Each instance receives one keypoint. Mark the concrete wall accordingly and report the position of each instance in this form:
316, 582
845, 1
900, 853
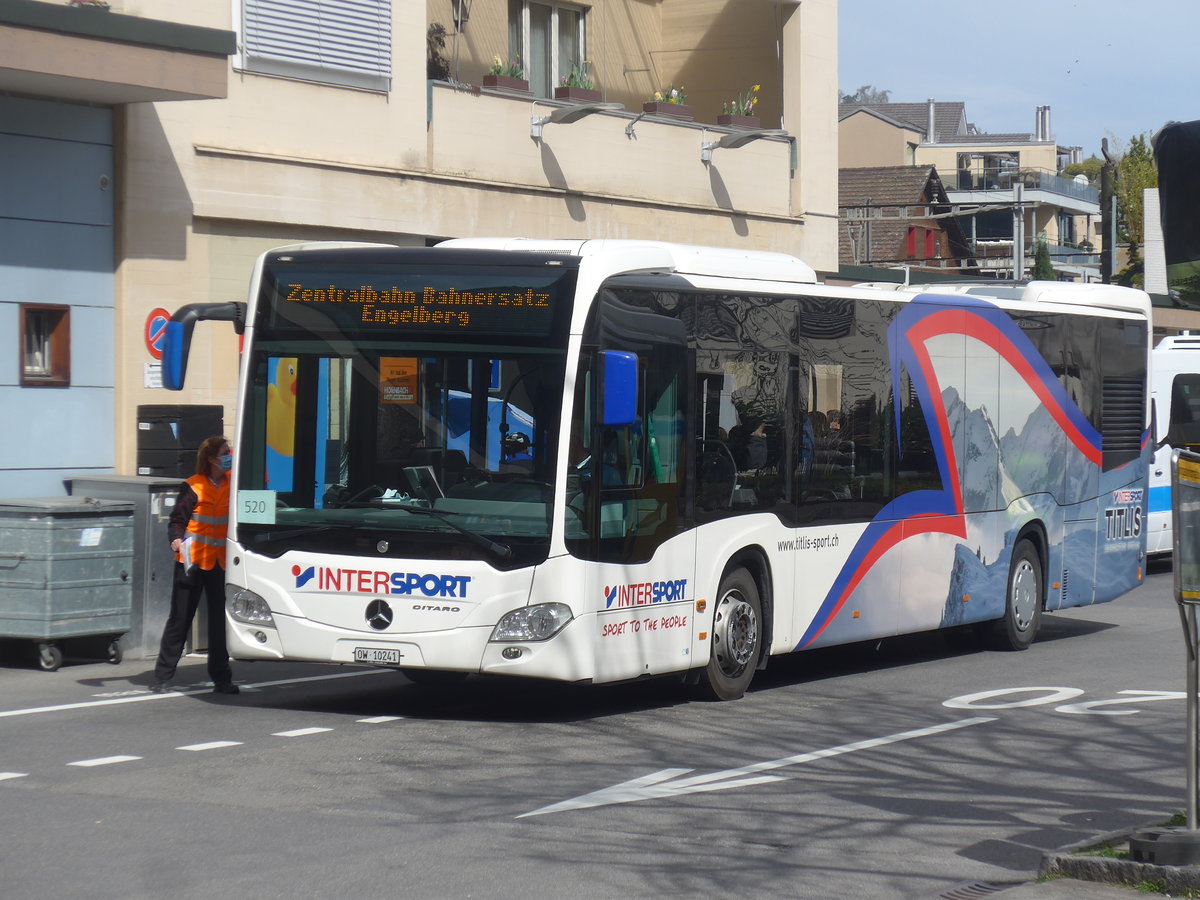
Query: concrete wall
865, 140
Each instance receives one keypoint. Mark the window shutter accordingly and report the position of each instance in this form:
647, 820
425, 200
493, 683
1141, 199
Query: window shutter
337, 41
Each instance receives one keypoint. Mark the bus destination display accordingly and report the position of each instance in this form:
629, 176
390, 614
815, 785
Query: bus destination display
515, 306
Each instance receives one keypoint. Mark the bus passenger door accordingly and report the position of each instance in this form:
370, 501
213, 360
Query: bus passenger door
630, 432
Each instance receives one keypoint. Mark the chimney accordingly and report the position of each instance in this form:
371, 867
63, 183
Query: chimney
1041, 124
931, 134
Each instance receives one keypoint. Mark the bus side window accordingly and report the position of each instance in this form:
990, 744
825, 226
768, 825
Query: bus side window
1184, 430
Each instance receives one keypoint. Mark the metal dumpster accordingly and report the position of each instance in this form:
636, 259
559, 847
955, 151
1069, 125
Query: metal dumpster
153, 500
65, 565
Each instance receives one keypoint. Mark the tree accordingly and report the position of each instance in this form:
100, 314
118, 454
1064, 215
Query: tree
1090, 168
866, 94
1136, 171
436, 66
1043, 270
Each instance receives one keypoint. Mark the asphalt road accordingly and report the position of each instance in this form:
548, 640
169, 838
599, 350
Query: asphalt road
902, 769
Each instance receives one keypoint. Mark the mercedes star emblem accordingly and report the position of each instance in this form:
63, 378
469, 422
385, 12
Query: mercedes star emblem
379, 615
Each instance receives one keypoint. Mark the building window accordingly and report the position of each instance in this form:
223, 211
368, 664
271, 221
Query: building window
347, 42
550, 39
45, 345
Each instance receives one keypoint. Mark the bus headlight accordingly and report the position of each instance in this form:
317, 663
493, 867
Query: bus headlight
532, 623
246, 606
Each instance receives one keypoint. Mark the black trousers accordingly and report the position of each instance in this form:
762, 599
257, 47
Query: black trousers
185, 597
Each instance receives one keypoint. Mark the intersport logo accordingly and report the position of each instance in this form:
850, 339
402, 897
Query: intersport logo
374, 581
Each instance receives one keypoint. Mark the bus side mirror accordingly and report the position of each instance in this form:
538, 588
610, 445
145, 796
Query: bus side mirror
177, 341
618, 405
177, 337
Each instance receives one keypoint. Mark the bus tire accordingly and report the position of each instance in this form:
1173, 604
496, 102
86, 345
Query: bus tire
737, 634
1023, 600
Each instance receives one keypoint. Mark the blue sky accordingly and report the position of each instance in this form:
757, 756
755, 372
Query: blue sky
1106, 69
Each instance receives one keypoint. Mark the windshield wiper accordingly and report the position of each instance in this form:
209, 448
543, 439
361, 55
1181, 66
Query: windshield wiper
300, 532
501, 550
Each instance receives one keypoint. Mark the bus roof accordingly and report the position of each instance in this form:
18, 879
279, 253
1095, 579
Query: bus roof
1098, 296
683, 259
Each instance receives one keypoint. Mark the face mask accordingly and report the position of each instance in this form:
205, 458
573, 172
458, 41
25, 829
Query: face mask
225, 461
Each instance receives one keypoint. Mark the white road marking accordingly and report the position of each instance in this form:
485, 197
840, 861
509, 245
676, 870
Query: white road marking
114, 701
379, 720
4, 776
300, 732
658, 784
104, 761
211, 745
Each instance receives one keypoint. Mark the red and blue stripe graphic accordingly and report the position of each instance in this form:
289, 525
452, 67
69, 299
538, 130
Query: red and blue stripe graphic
941, 511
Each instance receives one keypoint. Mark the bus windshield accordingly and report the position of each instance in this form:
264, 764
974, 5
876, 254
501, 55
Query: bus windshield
398, 440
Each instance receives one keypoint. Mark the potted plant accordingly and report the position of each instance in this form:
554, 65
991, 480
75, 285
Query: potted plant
671, 101
740, 110
508, 76
579, 84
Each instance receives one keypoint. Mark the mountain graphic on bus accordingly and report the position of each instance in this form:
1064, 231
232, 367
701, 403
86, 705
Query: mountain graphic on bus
1025, 452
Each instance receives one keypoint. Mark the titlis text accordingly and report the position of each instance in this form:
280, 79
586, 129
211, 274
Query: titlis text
1123, 522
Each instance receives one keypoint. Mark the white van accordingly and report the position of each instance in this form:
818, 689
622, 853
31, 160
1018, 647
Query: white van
1175, 388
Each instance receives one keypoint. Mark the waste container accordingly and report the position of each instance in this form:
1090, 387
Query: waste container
65, 565
153, 500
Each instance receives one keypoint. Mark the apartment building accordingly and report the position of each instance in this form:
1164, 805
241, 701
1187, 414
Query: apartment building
1006, 186
172, 142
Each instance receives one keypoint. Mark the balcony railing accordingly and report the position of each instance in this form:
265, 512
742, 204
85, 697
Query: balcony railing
995, 179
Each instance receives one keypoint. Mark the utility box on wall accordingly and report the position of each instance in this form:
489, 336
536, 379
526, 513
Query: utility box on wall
168, 437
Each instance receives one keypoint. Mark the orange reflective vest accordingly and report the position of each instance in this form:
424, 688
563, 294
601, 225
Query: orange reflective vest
208, 523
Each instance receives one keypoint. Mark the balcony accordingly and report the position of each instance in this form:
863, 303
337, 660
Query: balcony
1041, 186
553, 178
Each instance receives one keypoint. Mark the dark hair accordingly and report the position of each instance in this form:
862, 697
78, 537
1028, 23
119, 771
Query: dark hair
208, 451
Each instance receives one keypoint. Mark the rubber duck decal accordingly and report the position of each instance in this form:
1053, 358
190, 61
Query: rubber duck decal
281, 422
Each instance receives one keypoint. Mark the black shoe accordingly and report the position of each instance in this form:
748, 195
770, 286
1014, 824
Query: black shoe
226, 687
160, 687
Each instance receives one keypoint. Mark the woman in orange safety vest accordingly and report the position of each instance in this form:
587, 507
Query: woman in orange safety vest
197, 533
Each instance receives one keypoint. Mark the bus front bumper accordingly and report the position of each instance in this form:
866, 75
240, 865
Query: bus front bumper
565, 657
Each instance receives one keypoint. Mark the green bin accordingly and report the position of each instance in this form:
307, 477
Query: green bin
65, 565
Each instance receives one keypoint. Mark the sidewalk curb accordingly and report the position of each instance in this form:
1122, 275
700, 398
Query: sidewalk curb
1073, 861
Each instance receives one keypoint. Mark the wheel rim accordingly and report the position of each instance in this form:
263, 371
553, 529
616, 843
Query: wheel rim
735, 633
1024, 594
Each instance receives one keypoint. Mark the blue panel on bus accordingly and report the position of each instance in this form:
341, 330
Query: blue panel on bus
1160, 498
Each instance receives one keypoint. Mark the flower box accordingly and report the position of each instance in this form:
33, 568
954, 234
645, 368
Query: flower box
578, 94
506, 83
739, 121
675, 110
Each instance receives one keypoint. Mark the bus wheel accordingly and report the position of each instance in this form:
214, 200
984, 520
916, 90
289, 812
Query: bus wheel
736, 638
1023, 606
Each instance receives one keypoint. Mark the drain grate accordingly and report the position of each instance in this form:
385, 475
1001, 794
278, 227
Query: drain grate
969, 890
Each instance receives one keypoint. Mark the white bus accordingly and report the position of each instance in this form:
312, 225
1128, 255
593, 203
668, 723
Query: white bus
1175, 390
720, 460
